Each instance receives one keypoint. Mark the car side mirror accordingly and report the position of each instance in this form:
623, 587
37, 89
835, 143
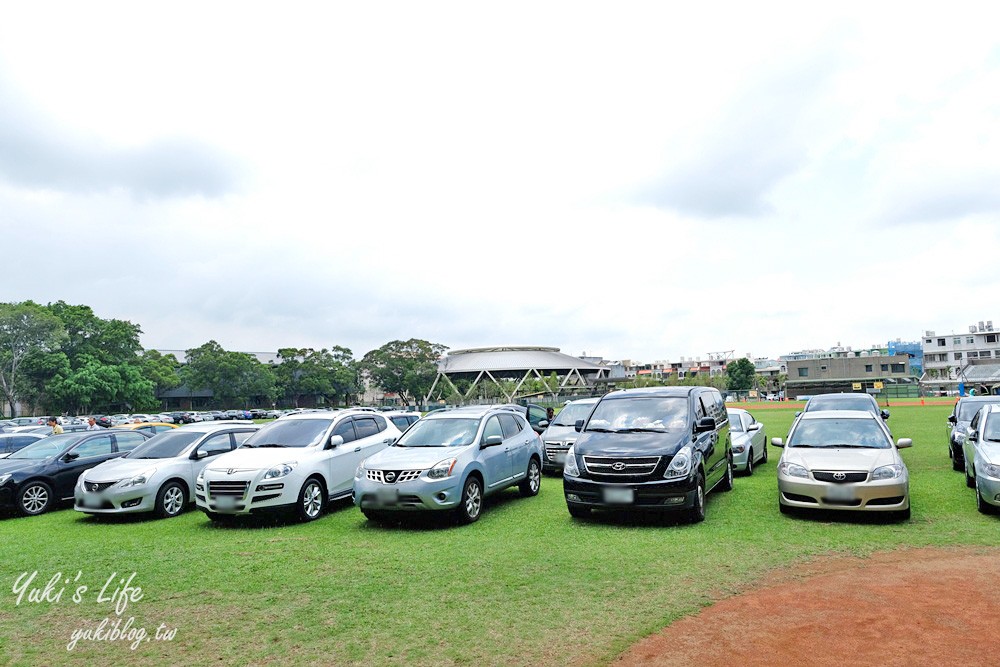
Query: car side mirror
798, 413
885, 414
704, 424
776, 442
904, 442
544, 423
492, 441
71, 456
755, 427
952, 419
335, 441
973, 434
200, 454
578, 426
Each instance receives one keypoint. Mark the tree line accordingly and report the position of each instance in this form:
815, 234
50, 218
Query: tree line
62, 358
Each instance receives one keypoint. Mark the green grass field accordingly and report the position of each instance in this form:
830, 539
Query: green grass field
524, 585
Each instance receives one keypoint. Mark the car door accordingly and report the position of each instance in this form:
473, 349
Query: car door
536, 415
517, 440
373, 436
495, 459
752, 428
80, 458
971, 441
339, 471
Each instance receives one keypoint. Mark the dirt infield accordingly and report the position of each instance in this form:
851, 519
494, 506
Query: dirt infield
905, 607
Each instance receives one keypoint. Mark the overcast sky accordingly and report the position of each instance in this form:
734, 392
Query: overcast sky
643, 181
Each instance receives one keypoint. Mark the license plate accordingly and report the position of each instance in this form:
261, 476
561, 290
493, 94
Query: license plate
93, 502
387, 496
619, 496
225, 503
840, 493
559, 457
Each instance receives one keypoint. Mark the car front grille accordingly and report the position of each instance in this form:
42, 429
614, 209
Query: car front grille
97, 487
554, 448
234, 488
392, 476
847, 477
621, 466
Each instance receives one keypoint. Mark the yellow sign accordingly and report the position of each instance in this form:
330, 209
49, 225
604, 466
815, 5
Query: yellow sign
877, 385
856, 386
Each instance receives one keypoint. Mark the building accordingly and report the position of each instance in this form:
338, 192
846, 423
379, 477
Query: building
841, 369
958, 361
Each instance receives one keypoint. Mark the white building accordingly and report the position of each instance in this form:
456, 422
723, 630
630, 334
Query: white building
948, 357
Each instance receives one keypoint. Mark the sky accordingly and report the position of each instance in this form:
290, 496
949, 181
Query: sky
638, 181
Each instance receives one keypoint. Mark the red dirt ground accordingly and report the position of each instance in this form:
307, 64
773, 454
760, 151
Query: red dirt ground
905, 607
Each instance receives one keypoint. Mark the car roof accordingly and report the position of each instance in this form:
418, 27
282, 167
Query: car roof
837, 414
737, 410
329, 414
979, 399
467, 411
652, 391
208, 427
842, 395
582, 401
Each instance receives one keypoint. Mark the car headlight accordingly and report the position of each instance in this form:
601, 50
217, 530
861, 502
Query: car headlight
958, 437
442, 469
201, 476
680, 465
280, 470
360, 471
141, 478
989, 470
792, 470
4, 478
888, 472
570, 469
738, 449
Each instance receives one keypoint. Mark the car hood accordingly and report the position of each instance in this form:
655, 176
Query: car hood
560, 433
989, 451
252, 458
637, 444
411, 458
22, 465
840, 458
116, 469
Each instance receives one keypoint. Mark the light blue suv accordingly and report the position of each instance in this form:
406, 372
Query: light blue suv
450, 460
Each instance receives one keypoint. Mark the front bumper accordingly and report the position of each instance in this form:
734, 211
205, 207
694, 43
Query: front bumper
889, 495
413, 495
740, 459
652, 496
989, 488
554, 455
246, 493
116, 500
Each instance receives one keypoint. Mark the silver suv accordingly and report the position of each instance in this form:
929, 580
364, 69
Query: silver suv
450, 460
560, 434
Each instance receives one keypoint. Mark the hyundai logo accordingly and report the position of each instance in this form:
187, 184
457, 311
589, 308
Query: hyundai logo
840, 476
390, 476
618, 466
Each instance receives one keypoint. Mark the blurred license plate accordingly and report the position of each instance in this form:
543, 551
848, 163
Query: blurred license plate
621, 496
840, 493
559, 457
387, 496
91, 501
225, 503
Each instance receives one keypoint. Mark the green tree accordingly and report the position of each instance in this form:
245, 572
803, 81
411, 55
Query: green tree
24, 328
332, 374
160, 369
740, 374
234, 378
90, 337
407, 368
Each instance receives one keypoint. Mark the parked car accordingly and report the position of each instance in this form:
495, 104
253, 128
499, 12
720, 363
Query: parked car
560, 434
300, 462
152, 428
12, 442
656, 449
845, 401
402, 420
981, 457
37, 477
158, 475
449, 461
843, 460
958, 425
535, 414
749, 440
25, 421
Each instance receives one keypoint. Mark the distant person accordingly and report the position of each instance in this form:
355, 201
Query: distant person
56, 428
550, 414
92, 424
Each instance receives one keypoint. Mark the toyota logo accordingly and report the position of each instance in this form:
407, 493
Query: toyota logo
390, 476
618, 466
840, 476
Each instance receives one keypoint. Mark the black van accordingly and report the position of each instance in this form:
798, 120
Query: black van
657, 449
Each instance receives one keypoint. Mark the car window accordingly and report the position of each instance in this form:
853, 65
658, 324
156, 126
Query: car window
511, 425
834, 433
98, 446
535, 415
975, 421
492, 428
365, 427
400, 422
380, 423
241, 436
991, 431
218, 443
734, 422
345, 430
129, 441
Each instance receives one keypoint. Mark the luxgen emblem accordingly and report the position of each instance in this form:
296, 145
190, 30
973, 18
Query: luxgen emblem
390, 476
618, 466
231, 471
840, 476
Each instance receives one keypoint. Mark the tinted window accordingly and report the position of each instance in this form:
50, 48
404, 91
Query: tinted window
290, 433
165, 445
992, 431
492, 428
400, 422
345, 430
380, 423
535, 415
511, 425
98, 446
967, 409
569, 415
734, 422
216, 444
365, 427
859, 402
838, 432
129, 441
440, 433
652, 413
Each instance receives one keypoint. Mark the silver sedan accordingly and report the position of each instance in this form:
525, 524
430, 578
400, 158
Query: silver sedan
749, 440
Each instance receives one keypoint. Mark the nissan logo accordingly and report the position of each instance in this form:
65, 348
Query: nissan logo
840, 476
618, 465
390, 476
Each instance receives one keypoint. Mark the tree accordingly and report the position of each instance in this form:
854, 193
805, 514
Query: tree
109, 341
160, 369
407, 368
332, 374
24, 328
740, 374
233, 377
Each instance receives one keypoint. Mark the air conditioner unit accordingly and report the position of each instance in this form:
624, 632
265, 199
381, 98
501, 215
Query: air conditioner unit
972, 328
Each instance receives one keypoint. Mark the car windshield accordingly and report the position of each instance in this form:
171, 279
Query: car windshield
652, 413
440, 433
860, 402
46, 447
991, 431
165, 445
290, 433
833, 433
573, 412
735, 425
968, 409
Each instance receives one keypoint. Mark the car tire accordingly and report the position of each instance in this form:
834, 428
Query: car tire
170, 500
983, 506
34, 498
749, 470
785, 509
957, 463
312, 500
697, 513
903, 515
970, 481
578, 512
763, 459
471, 505
533, 481
727, 480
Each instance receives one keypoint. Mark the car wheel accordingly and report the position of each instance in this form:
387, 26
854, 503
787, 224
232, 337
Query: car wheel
749, 470
983, 506
763, 459
35, 498
578, 512
697, 513
903, 515
312, 500
957, 462
970, 481
533, 482
374, 515
171, 500
785, 509
727, 481
471, 504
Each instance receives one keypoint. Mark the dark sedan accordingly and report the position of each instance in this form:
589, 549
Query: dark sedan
34, 479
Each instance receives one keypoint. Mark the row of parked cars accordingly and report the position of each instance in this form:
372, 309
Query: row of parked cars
974, 447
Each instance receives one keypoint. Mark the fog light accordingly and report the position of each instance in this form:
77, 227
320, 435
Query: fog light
270, 487
131, 503
573, 497
996, 497
442, 496
673, 500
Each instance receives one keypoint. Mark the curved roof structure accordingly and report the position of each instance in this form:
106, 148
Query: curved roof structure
512, 358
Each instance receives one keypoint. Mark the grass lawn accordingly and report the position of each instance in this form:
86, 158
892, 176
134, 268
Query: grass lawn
524, 585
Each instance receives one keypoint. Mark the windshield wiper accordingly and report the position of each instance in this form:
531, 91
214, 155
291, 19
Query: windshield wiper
270, 444
641, 430
598, 429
